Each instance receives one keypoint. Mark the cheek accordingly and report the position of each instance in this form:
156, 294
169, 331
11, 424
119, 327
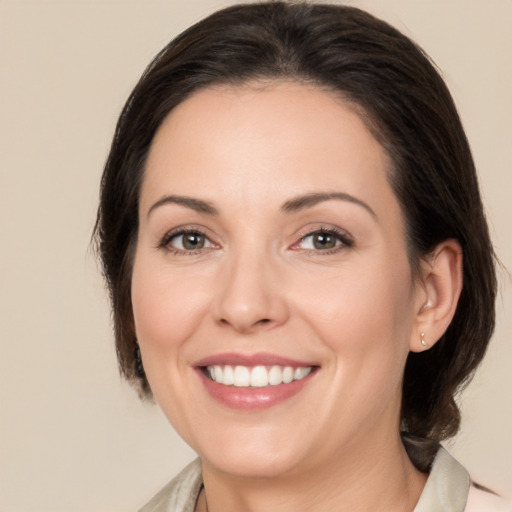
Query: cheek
365, 319
359, 302
165, 309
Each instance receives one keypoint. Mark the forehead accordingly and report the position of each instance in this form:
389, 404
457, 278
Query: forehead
287, 135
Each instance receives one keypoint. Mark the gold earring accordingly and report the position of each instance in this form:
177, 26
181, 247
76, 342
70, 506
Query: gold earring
423, 340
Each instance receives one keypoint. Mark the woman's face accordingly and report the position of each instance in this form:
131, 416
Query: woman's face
271, 255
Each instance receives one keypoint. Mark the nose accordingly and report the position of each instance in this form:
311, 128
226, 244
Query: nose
251, 298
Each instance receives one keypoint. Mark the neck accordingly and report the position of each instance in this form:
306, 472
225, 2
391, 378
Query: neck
376, 477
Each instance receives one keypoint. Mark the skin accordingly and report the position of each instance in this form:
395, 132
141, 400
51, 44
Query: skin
260, 285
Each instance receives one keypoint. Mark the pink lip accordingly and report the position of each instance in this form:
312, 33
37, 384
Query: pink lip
260, 359
245, 398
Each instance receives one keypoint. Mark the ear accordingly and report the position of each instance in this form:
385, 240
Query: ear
438, 292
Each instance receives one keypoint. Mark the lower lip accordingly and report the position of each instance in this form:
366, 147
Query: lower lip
247, 398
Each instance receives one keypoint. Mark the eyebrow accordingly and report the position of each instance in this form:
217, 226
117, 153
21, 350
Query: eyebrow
309, 200
197, 205
293, 205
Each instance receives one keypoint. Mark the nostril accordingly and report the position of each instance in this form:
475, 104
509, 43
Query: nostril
246, 327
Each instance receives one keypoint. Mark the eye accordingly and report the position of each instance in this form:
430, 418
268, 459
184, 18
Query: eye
324, 240
186, 241
320, 240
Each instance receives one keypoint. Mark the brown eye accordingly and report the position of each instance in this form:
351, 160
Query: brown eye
187, 241
324, 241
193, 241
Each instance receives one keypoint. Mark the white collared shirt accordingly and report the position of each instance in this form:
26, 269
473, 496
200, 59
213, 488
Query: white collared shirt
448, 489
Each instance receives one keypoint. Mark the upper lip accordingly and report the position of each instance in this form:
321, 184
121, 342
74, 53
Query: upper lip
259, 359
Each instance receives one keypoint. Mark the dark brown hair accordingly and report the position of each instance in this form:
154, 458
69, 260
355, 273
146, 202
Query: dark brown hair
408, 108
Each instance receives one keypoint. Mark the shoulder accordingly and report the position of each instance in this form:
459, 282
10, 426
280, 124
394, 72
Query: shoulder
449, 486
180, 494
480, 500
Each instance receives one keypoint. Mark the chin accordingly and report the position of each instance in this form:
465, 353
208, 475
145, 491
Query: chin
252, 455
250, 465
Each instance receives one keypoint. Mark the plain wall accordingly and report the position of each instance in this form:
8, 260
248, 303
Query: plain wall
73, 437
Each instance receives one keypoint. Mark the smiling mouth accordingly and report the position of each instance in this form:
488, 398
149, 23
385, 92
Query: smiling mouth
255, 376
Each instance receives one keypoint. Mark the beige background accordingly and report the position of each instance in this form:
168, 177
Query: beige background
73, 437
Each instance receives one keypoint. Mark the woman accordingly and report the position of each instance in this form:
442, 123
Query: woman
299, 264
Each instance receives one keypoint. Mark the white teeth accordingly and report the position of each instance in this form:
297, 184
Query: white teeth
275, 376
217, 370
228, 377
259, 377
288, 374
242, 376
300, 373
256, 376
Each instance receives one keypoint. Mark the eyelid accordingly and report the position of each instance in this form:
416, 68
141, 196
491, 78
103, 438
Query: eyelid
342, 235
165, 240
346, 239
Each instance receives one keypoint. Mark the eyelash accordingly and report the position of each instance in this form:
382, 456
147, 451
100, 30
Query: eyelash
341, 236
171, 235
